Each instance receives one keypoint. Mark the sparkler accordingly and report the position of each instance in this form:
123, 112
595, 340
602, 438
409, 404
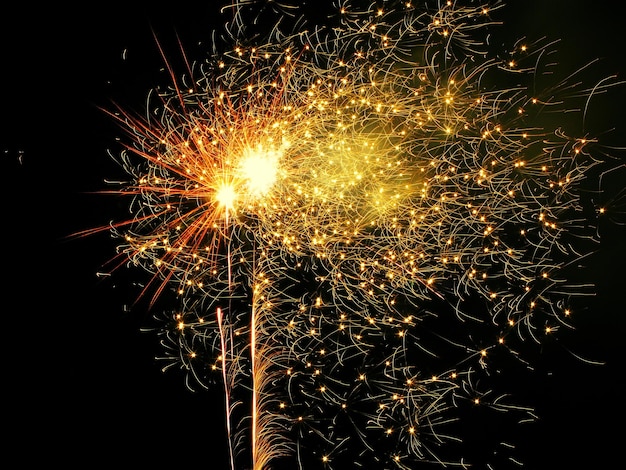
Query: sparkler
338, 205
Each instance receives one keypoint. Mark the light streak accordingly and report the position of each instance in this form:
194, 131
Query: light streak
226, 381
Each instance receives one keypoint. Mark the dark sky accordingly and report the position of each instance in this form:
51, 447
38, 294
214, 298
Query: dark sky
82, 381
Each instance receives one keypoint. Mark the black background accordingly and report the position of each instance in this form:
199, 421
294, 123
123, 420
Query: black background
80, 381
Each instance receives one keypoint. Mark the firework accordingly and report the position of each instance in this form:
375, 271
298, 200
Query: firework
363, 220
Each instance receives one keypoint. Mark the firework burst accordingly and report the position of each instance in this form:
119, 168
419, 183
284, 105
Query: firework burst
363, 220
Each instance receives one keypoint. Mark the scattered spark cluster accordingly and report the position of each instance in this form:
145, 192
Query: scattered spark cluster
363, 221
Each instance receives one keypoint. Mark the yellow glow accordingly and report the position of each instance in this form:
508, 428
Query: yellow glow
259, 169
226, 196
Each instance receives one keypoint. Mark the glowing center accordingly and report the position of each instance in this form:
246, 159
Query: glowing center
259, 167
226, 196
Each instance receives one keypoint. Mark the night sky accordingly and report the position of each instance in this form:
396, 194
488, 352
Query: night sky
81, 382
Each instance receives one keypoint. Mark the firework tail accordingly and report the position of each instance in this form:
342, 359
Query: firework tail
267, 435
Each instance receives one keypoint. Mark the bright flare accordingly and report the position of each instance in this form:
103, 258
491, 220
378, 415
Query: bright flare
259, 169
226, 196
